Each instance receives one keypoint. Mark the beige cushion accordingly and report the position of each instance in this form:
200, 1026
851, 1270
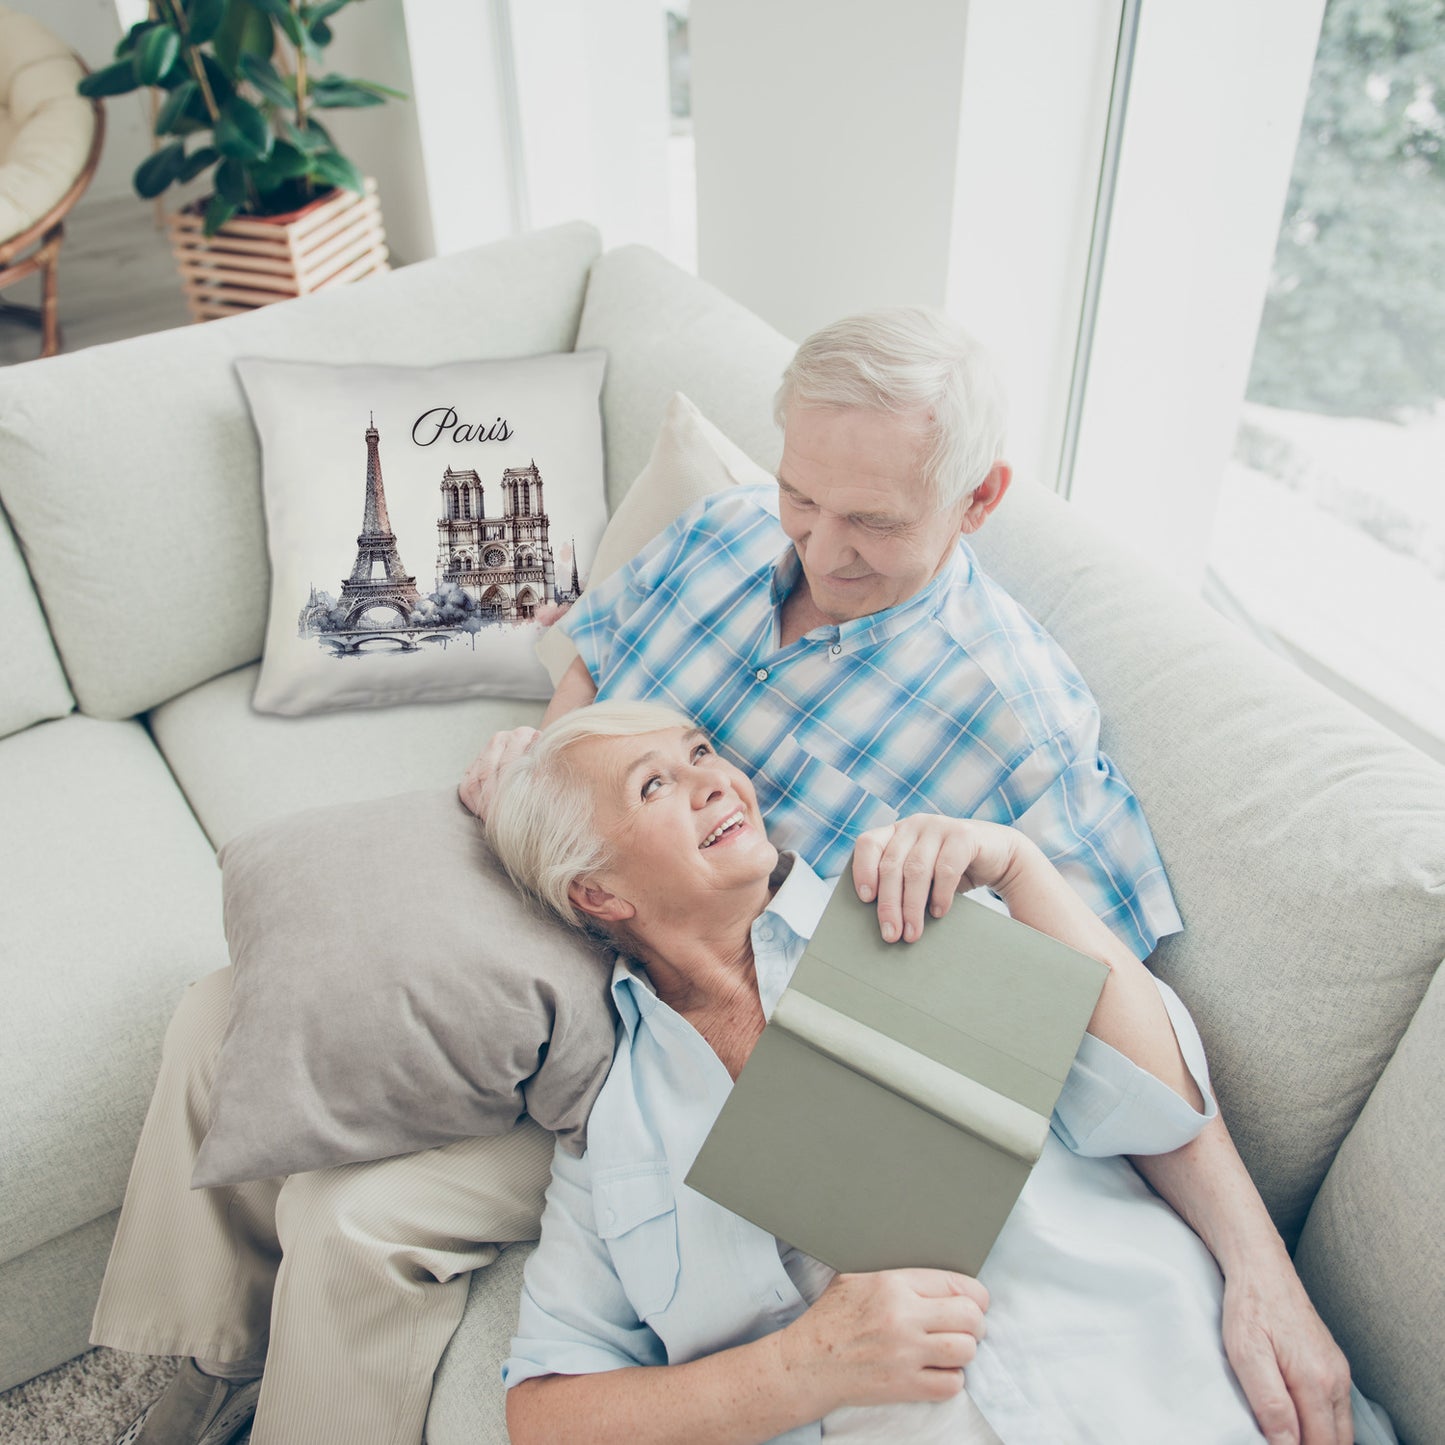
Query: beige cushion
47, 130
1302, 841
664, 331
240, 768
110, 906
393, 993
691, 459
32, 684
163, 465
1373, 1250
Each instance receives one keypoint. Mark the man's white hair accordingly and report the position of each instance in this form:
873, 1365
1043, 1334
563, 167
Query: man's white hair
908, 360
542, 820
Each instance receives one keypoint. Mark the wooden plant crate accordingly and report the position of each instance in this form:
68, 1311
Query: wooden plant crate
255, 260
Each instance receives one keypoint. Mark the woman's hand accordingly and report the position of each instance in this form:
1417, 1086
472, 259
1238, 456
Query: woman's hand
918, 864
475, 788
899, 1334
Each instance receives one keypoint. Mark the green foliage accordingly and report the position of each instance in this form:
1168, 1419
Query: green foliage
241, 76
1354, 324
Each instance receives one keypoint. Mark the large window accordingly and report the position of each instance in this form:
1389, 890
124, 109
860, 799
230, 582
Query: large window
1330, 529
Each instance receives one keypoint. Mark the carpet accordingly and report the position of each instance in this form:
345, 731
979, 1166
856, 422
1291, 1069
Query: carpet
88, 1401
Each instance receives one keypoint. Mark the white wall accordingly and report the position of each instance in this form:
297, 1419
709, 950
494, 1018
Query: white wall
827, 146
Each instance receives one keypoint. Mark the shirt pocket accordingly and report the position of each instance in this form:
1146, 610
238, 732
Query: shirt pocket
636, 1212
816, 809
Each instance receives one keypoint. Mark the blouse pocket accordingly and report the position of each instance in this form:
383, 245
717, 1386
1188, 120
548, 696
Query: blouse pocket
637, 1217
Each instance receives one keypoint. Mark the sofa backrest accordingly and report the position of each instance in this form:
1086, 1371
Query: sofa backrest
32, 683
132, 472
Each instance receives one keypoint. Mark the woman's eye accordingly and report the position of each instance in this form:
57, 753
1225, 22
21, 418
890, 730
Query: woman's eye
651, 785
702, 750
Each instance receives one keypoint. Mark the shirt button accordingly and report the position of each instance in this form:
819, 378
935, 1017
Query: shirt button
836, 648
761, 674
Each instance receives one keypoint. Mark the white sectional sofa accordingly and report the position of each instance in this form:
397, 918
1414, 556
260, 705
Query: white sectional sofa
1306, 846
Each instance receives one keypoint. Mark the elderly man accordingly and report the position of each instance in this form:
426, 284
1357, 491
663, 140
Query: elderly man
840, 643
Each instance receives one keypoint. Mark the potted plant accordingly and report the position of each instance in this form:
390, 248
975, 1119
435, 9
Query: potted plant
240, 84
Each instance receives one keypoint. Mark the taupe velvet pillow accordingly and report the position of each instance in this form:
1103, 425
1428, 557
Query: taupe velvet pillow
393, 992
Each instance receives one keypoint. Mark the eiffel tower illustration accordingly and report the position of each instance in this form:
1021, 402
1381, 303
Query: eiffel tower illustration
378, 579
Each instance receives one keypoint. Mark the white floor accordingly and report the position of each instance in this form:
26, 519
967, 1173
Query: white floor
116, 279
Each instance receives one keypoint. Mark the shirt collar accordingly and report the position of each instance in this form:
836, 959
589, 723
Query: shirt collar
779, 933
878, 627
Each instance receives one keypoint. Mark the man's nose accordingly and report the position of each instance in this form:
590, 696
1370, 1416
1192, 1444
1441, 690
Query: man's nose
829, 548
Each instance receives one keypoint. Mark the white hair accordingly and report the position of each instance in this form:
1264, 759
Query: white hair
542, 820
908, 360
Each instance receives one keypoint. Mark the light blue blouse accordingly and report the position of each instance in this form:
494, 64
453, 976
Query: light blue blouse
1105, 1316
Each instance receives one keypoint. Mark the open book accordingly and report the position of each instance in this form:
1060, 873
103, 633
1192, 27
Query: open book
900, 1094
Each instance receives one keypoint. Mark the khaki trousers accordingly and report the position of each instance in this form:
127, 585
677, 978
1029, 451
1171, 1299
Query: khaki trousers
350, 1281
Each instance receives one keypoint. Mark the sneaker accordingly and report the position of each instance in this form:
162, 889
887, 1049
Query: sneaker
195, 1409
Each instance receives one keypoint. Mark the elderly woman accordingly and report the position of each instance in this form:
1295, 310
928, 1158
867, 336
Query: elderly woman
653, 1314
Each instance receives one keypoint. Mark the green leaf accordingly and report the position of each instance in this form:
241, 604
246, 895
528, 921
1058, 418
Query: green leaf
244, 31
287, 163
285, 17
378, 89
131, 38
218, 212
197, 161
333, 92
278, 89
231, 182
117, 79
203, 19
222, 85
173, 111
320, 35
312, 140
242, 132
324, 11
157, 52
157, 171
333, 168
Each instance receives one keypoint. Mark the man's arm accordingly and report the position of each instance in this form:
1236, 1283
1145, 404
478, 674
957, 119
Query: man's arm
1295, 1377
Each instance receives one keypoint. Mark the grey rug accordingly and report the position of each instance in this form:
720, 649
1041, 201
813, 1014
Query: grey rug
86, 1402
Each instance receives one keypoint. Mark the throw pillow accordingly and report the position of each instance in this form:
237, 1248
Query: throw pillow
417, 518
391, 993
691, 459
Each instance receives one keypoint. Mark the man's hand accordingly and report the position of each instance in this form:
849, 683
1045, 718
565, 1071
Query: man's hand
1295, 1377
475, 788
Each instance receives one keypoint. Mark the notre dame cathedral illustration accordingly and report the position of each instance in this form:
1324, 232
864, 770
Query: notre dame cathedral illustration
505, 562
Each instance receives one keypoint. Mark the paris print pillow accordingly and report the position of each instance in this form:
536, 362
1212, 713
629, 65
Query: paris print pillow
423, 523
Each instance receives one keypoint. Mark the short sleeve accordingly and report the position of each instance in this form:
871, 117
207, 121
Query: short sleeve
575, 1318
1109, 1105
1076, 805
596, 621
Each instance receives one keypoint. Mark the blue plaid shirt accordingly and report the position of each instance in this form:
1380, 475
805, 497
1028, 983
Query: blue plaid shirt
954, 702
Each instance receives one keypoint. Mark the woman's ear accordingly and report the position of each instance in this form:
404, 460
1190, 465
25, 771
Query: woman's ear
596, 902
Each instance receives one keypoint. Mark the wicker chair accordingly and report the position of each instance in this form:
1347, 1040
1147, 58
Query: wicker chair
50, 140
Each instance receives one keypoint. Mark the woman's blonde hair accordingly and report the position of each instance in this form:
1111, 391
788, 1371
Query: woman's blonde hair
542, 820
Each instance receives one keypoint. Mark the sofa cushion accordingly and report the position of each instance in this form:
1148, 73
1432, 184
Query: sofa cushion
664, 331
392, 993
32, 684
469, 482
1372, 1254
111, 905
1302, 841
239, 768
165, 585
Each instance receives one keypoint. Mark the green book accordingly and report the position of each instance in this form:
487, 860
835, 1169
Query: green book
900, 1094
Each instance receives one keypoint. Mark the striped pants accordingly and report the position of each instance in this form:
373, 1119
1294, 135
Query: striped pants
348, 1281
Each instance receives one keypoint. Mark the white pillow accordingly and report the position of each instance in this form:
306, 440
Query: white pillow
691, 459
422, 590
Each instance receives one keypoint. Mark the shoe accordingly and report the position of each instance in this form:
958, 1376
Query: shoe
194, 1409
